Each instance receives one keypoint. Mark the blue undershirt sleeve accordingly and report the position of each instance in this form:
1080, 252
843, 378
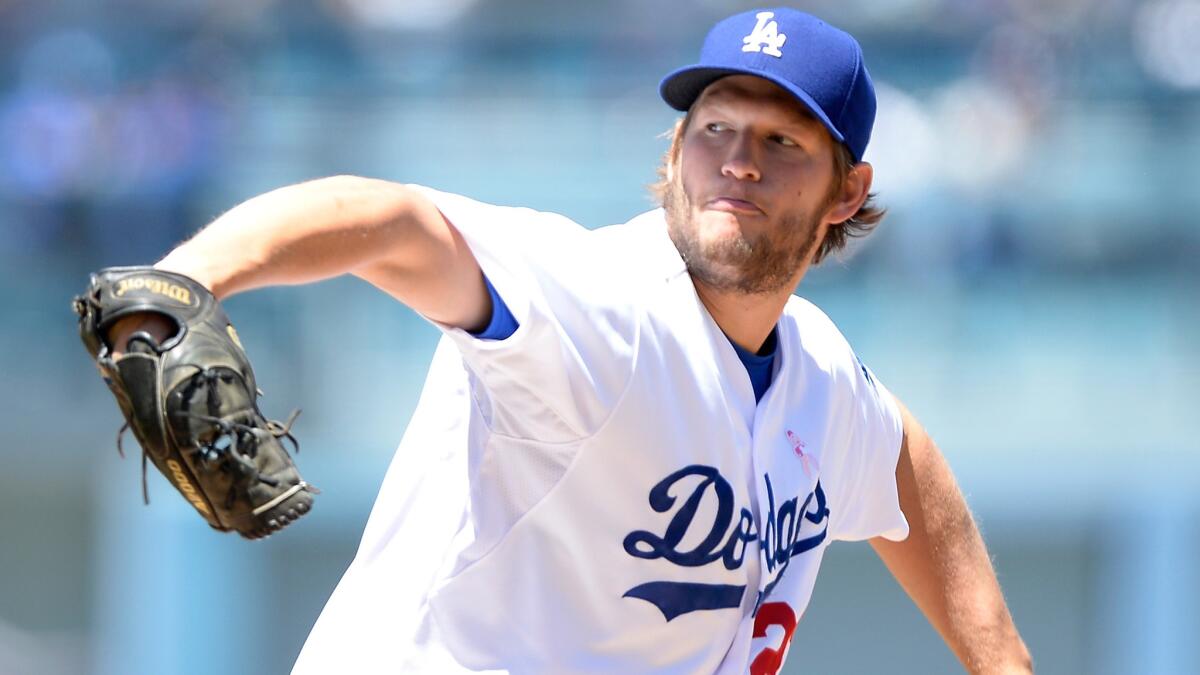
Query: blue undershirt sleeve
502, 324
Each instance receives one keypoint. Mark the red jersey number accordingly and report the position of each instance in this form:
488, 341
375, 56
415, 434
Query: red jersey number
769, 661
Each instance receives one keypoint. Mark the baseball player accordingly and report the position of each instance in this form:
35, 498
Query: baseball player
635, 443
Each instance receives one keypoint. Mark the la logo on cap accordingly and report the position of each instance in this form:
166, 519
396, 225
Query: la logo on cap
765, 37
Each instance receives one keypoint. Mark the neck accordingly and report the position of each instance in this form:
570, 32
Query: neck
746, 319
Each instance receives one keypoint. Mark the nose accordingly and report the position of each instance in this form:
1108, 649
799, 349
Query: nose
740, 162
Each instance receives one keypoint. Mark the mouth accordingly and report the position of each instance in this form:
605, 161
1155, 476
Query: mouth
734, 205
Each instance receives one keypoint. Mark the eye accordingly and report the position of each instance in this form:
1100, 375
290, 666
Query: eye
784, 141
716, 127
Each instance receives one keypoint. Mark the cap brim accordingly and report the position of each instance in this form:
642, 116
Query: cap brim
682, 87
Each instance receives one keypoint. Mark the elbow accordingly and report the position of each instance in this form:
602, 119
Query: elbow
344, 180
372, 202
360, 188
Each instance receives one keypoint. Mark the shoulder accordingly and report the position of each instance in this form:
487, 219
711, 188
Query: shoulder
472, 214
539, 230
813, 331
823, 348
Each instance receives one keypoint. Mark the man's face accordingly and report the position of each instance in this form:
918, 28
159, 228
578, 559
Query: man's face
747, 199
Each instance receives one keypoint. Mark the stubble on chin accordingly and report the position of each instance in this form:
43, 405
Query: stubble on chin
738, 264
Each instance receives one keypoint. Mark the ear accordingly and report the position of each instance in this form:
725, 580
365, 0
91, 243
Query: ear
849, 199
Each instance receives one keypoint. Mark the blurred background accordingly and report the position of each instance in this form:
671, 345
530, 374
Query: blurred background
1032, 295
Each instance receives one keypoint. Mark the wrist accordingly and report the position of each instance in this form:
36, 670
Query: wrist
180, 262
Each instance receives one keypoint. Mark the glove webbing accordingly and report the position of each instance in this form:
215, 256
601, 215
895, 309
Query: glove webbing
212, 453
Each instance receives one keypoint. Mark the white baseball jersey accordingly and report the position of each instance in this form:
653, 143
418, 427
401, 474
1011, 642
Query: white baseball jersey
600, 492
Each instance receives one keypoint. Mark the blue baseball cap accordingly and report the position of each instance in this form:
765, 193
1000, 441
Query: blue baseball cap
820, 65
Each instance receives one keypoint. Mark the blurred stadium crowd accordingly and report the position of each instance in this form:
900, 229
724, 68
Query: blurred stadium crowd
1055, 134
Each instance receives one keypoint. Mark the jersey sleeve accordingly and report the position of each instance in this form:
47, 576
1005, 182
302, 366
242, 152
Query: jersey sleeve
559, 374
872, 504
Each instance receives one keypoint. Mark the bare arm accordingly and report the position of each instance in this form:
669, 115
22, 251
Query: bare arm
385, 233
943, 565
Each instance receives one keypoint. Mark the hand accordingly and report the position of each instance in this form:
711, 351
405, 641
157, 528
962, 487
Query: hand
156, 325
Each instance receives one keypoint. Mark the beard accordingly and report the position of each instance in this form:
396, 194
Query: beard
742, 264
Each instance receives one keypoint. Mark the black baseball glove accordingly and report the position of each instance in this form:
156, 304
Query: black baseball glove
192, 401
